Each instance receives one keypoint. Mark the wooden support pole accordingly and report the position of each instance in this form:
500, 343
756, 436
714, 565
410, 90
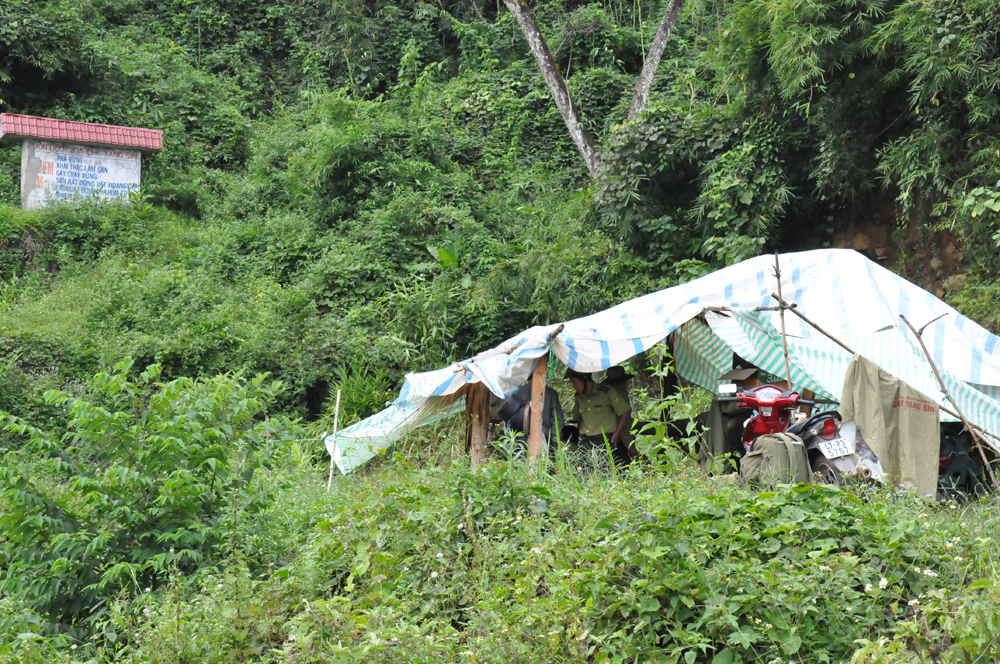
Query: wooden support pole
537, 406
477, 410
947, 394
535, 433
336, 415
784, 341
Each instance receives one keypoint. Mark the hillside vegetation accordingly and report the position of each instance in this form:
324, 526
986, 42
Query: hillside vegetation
367, 188
350, 190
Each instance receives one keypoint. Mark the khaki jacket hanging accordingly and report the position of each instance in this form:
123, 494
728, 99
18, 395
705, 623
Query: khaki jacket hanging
899, 424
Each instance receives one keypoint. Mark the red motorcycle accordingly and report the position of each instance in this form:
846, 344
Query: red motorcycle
835, 452
774, 407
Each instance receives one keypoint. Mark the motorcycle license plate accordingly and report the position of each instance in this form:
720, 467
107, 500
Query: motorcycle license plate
835, 448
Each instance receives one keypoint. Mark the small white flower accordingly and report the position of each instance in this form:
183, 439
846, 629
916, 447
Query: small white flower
440, 555
914, 602
73, 647
767, 625
883, 582
536, 550
434, 575
868, 587
149, 590
171, 549
145, 611
219, 586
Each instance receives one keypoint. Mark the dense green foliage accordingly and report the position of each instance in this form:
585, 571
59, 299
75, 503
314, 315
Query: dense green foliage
352, 189
429, 564
153, 477
380, 186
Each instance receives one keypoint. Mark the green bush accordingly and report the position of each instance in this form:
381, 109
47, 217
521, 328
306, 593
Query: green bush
410, 564
149, 477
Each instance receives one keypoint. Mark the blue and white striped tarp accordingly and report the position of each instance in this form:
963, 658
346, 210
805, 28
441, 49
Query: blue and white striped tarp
849, 296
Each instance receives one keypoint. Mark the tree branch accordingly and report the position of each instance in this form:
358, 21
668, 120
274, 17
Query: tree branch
653, 58
557, 86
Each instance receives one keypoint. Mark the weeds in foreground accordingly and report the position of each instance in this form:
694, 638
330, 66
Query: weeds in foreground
416, 564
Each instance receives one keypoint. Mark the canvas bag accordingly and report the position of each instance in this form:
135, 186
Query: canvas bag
776, 458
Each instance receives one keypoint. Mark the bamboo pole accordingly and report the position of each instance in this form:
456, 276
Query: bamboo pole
792, 307
784, 341
336, 415
975, 434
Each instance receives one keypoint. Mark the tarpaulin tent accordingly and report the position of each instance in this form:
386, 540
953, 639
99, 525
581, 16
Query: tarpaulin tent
849, 296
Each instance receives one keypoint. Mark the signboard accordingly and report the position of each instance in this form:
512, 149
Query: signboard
66, 172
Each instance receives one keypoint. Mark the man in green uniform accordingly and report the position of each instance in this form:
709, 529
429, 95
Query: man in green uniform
601, 413
616, 382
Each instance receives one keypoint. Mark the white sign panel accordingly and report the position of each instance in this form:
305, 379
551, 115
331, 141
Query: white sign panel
67, 172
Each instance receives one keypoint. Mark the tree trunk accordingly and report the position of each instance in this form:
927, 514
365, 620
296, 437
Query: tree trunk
557, 86
653, 58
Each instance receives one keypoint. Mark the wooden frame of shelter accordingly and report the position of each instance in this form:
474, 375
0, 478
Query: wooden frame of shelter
477, 412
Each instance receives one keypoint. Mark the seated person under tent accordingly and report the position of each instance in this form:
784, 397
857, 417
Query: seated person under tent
516, 416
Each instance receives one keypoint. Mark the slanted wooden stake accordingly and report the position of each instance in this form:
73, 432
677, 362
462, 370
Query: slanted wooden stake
477, 410
537, 405
947, 394
784, 341
336, 414
791, 307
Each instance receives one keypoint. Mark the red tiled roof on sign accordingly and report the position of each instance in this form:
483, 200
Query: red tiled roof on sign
29, 126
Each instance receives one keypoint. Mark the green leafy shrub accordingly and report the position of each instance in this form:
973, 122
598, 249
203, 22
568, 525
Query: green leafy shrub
150, 476
409, 564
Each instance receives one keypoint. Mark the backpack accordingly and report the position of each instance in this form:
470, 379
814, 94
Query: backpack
776, 458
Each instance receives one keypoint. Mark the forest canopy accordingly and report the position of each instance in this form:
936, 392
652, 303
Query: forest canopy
367, 188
